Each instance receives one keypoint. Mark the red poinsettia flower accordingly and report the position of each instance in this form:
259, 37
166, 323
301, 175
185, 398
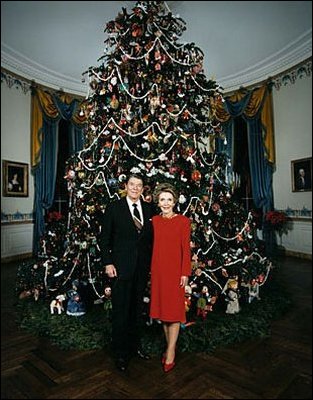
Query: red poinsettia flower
276, 217
277, 220
54, 216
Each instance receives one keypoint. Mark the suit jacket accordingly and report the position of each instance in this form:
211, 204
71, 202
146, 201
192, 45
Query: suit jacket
301, 183
121, 244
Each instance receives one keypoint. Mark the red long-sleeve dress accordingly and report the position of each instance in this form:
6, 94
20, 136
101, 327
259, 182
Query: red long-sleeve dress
170, 260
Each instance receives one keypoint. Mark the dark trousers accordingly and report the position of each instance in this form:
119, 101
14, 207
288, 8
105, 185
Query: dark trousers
127, 307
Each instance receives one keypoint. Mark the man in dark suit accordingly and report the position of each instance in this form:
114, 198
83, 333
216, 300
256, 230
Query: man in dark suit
126, 247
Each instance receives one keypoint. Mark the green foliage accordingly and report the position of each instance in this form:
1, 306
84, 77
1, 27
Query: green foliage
93, 330
89, 331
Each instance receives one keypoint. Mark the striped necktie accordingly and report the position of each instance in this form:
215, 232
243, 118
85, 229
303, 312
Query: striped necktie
137, 219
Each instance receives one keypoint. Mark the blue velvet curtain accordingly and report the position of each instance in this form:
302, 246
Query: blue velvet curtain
261, 169
45, 171
66, 111
45, 175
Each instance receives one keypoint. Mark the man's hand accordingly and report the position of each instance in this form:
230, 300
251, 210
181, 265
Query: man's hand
110, 270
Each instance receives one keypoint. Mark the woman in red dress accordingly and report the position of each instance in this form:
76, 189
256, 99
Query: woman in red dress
170, 268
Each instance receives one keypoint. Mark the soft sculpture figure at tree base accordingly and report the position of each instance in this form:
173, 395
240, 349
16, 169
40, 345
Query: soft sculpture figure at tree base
57, 304
232, 297
75, 306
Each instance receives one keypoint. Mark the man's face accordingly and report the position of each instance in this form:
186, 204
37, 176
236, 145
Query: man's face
134, 188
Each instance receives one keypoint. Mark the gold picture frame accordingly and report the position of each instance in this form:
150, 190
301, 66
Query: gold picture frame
301, 175
15, 179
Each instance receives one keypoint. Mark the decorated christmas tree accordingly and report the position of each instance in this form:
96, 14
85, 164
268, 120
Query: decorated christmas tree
151, 110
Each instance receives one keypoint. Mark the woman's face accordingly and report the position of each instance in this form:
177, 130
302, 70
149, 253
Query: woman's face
166, 203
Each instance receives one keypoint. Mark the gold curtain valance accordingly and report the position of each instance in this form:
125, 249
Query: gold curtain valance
260, 100
43, 104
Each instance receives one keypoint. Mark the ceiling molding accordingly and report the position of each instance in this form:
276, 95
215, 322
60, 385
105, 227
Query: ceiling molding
287, 77
291, 55
14, 81
25, 67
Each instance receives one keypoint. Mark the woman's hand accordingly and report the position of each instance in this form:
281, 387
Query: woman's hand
183, 281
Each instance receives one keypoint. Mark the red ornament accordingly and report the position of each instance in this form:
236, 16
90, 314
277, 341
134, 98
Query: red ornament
196, 175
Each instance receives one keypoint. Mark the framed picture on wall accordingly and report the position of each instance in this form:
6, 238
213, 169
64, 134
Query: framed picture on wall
15, 179
301, 175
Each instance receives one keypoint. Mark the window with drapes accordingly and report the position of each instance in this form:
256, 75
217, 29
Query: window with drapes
60, 201
242, 193
48, 109
241, 166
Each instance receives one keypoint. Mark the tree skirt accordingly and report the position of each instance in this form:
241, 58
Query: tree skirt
93, 329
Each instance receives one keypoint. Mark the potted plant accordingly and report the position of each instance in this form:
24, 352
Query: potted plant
278, 222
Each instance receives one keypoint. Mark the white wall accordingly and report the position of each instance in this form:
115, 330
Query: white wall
15, 141
293, 140
16, 238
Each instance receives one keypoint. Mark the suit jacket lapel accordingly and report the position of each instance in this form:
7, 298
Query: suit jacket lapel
144, 213
128, 215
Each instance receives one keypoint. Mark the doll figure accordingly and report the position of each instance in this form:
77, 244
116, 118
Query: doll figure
198, 280
204, 304
254, 289
107, 300
75, 305
232, 297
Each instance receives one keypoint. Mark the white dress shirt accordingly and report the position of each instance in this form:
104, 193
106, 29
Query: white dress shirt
131, 208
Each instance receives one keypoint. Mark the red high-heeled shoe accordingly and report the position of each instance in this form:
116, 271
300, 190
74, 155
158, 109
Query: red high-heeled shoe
168, 367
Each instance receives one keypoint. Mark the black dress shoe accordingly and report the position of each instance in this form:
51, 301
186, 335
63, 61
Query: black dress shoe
144, 356
121, 364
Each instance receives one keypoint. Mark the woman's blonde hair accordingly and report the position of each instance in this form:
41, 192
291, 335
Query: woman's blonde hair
164, 187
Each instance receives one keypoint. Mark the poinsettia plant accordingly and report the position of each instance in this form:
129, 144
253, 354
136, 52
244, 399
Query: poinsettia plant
54, 216
278, 221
